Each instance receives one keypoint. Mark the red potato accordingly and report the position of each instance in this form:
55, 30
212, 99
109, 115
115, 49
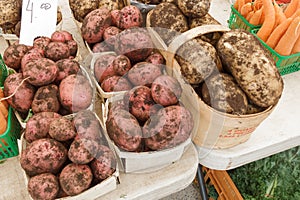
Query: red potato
43, 156
135, 43
57, 51
23, 96
41, 71
75, 178
121, 65
156, 59
75, 92
73, 47
167, 128
66, 67
104, 165
43, 187
58, 36
82, 151
30, 55
143, 73
115, 17
109, 35
130, 16
41, 42
124, 129
62, 129
13, 55
139, 102
46, 99
94, 24
115, 84
38, 125
103, 67
101, 47
166, 90
67, 34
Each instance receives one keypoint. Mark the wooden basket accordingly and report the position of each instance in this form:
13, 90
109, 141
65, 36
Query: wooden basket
215, 129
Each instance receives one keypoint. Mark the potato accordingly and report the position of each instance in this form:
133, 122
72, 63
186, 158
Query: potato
103, 67
115, 84
57, 51
38, 125
73, 47
42, 156
110, 34
75, 92
41, 42
46, 99
41, 71
121, 65
30, 55
252, 67
58, 36
157, 59
111, 4
43, 186
143, 73
166, 90
94, 24
221, 92
101, 47
80, 8
194, 8
13, 55
10, 14
23, 97
66, 67
75, 178
130, 16
167, 128
62, 129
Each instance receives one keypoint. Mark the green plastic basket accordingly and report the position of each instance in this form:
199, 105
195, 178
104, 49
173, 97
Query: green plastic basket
9, 139
3, 71
285, 64
237, 21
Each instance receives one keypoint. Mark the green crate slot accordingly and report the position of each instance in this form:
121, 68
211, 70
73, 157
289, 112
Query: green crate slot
284, 64
237, 21
9, 139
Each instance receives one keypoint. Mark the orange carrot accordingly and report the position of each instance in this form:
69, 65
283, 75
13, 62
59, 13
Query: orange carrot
288, 40
3, 124
246, 8
241, 3
291, 8
296, 47
255, 19
279, 15
250, 14
269, 21
257, 4
278, 33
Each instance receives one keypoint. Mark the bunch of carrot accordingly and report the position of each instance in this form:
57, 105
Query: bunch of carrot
3, 113
280, 28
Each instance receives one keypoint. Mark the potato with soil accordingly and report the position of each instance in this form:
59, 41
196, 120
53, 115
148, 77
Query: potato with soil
75, 92
130, 16
167, 128
139, 102
57, 51
101, 47
110, 34
41, 42
13, 55
40, 72
10, 14
62, 129
121, 65
38, 125
143, 73
75, 178
111, 4
197, 60
30, 55
103, 67
42, 156
135, 43
80, 8
124, 129
94, 24
104, 164
115, 84
66, 67
252, 67
23, 96
166, 90
156, 58
197, 8
46, 99
221, 92
43, 186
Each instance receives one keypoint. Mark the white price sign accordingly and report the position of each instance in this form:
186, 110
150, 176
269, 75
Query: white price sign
38, 19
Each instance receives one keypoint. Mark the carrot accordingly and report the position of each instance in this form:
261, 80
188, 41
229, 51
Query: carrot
255, 19
250, 14
246, 8
1, 96
278, 33
3, 124
257, 4
279, 15
3, 110
288, 40
241, 3
291, 8
269, 21
296, 47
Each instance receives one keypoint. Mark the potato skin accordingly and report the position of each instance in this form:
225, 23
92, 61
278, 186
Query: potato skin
69, 178
57, 51
103, 67
130, 16
252, 67
75, 92
22, 99
13, 55
194, 8
109, 35
81, 8
156, 59
42, 156
121, 65
66, 67
41, 42
10, 14
32, 54
62, 129
115, 84
43, 186
167, 128
46, 99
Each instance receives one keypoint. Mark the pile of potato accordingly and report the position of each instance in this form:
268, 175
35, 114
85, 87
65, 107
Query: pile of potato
47, 77
65, 155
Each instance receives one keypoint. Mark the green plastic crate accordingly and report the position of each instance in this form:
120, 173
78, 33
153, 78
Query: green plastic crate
237, 21
285, 64
9, 139
3, 71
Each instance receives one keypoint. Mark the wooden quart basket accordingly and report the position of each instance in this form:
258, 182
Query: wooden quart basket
216, 129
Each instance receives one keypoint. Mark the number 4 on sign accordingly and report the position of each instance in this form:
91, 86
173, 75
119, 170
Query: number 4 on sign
38, 19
